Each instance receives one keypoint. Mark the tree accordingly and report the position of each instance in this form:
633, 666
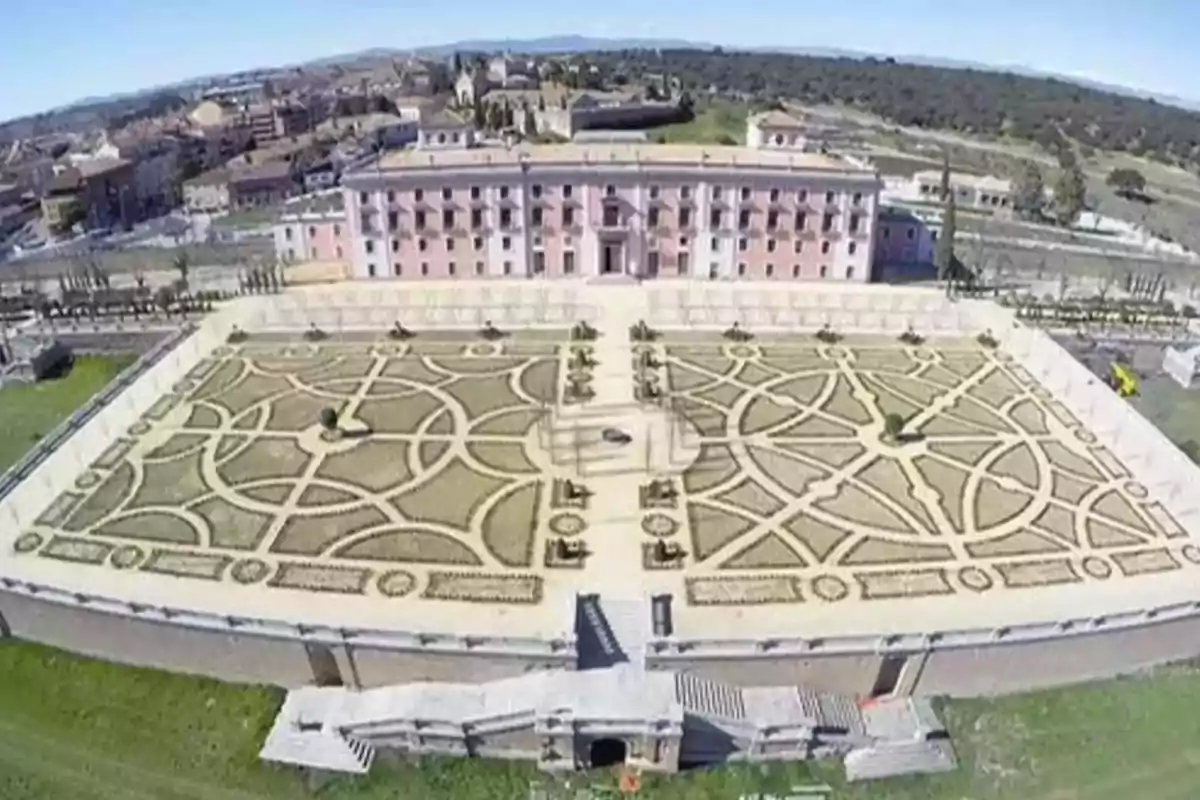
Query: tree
479, 113
1070, 190
1029, 192
893, 426
943, 249
328, 417
530, 123
944, 191
1128, 183
183, 266
495, 114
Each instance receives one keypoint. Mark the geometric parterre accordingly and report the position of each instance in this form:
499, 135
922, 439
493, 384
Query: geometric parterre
229, 477
798, 495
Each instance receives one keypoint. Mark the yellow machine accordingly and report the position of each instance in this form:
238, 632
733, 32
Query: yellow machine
1122, 380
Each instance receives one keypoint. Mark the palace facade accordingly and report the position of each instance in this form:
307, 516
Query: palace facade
454, 209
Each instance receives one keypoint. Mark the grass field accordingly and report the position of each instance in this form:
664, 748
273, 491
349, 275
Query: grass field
76, 728
243, 220
27, 413
714, 123
73, 728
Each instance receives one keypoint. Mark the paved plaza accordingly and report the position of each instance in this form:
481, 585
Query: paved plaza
465, 470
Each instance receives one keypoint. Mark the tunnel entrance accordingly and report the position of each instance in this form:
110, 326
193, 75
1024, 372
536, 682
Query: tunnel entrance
607, 752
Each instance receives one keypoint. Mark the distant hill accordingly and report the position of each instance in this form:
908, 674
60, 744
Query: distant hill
87, 112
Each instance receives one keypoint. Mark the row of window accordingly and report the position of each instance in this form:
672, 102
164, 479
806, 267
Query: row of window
313, 253
745, 220
613, 218
506, 244
568, 267
985, 199
312, 231
450, 219
539, 266
567, 192
910, 234
423, 244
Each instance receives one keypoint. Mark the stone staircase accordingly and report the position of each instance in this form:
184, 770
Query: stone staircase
596, 644
709, 698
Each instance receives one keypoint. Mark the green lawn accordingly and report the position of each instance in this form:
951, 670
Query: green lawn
27, 413
73, 728
715, 123
254, 218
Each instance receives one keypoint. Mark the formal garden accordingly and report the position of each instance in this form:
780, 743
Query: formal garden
77, 727
409, 464
842, 468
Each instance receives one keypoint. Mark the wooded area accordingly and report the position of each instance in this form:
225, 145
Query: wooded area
965, 100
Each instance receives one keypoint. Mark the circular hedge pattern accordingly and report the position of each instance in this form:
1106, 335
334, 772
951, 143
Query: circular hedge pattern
328, 435
28, 542
742, 351
838, 352
1137, 491
1085, 436
127, 557
974, 579
579, 376
396, 583
830, 588
139, 428
250, 570
659, 525
567, 524
223, 350
1192, 553
1097, 567
1042, 392
184, 386
87, 480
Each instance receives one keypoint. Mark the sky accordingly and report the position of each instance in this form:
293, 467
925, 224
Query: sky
59, 51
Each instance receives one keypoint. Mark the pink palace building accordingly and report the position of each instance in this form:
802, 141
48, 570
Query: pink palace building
450, 208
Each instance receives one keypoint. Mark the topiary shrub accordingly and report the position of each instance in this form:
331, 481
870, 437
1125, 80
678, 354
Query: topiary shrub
399, 333
828, 335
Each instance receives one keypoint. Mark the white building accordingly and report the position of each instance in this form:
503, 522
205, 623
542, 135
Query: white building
970, 191
779, 130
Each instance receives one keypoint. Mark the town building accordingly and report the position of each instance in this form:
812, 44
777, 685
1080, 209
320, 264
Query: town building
445, 130
779, 130
978, 192
97, 193
232, 189
501, 72
155, 159
269, 122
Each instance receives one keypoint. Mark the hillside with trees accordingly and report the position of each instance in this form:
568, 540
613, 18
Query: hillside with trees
969, 101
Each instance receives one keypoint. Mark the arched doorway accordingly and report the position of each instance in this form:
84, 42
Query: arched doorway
607, 752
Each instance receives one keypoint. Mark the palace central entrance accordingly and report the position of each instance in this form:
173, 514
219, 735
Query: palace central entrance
612, 258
